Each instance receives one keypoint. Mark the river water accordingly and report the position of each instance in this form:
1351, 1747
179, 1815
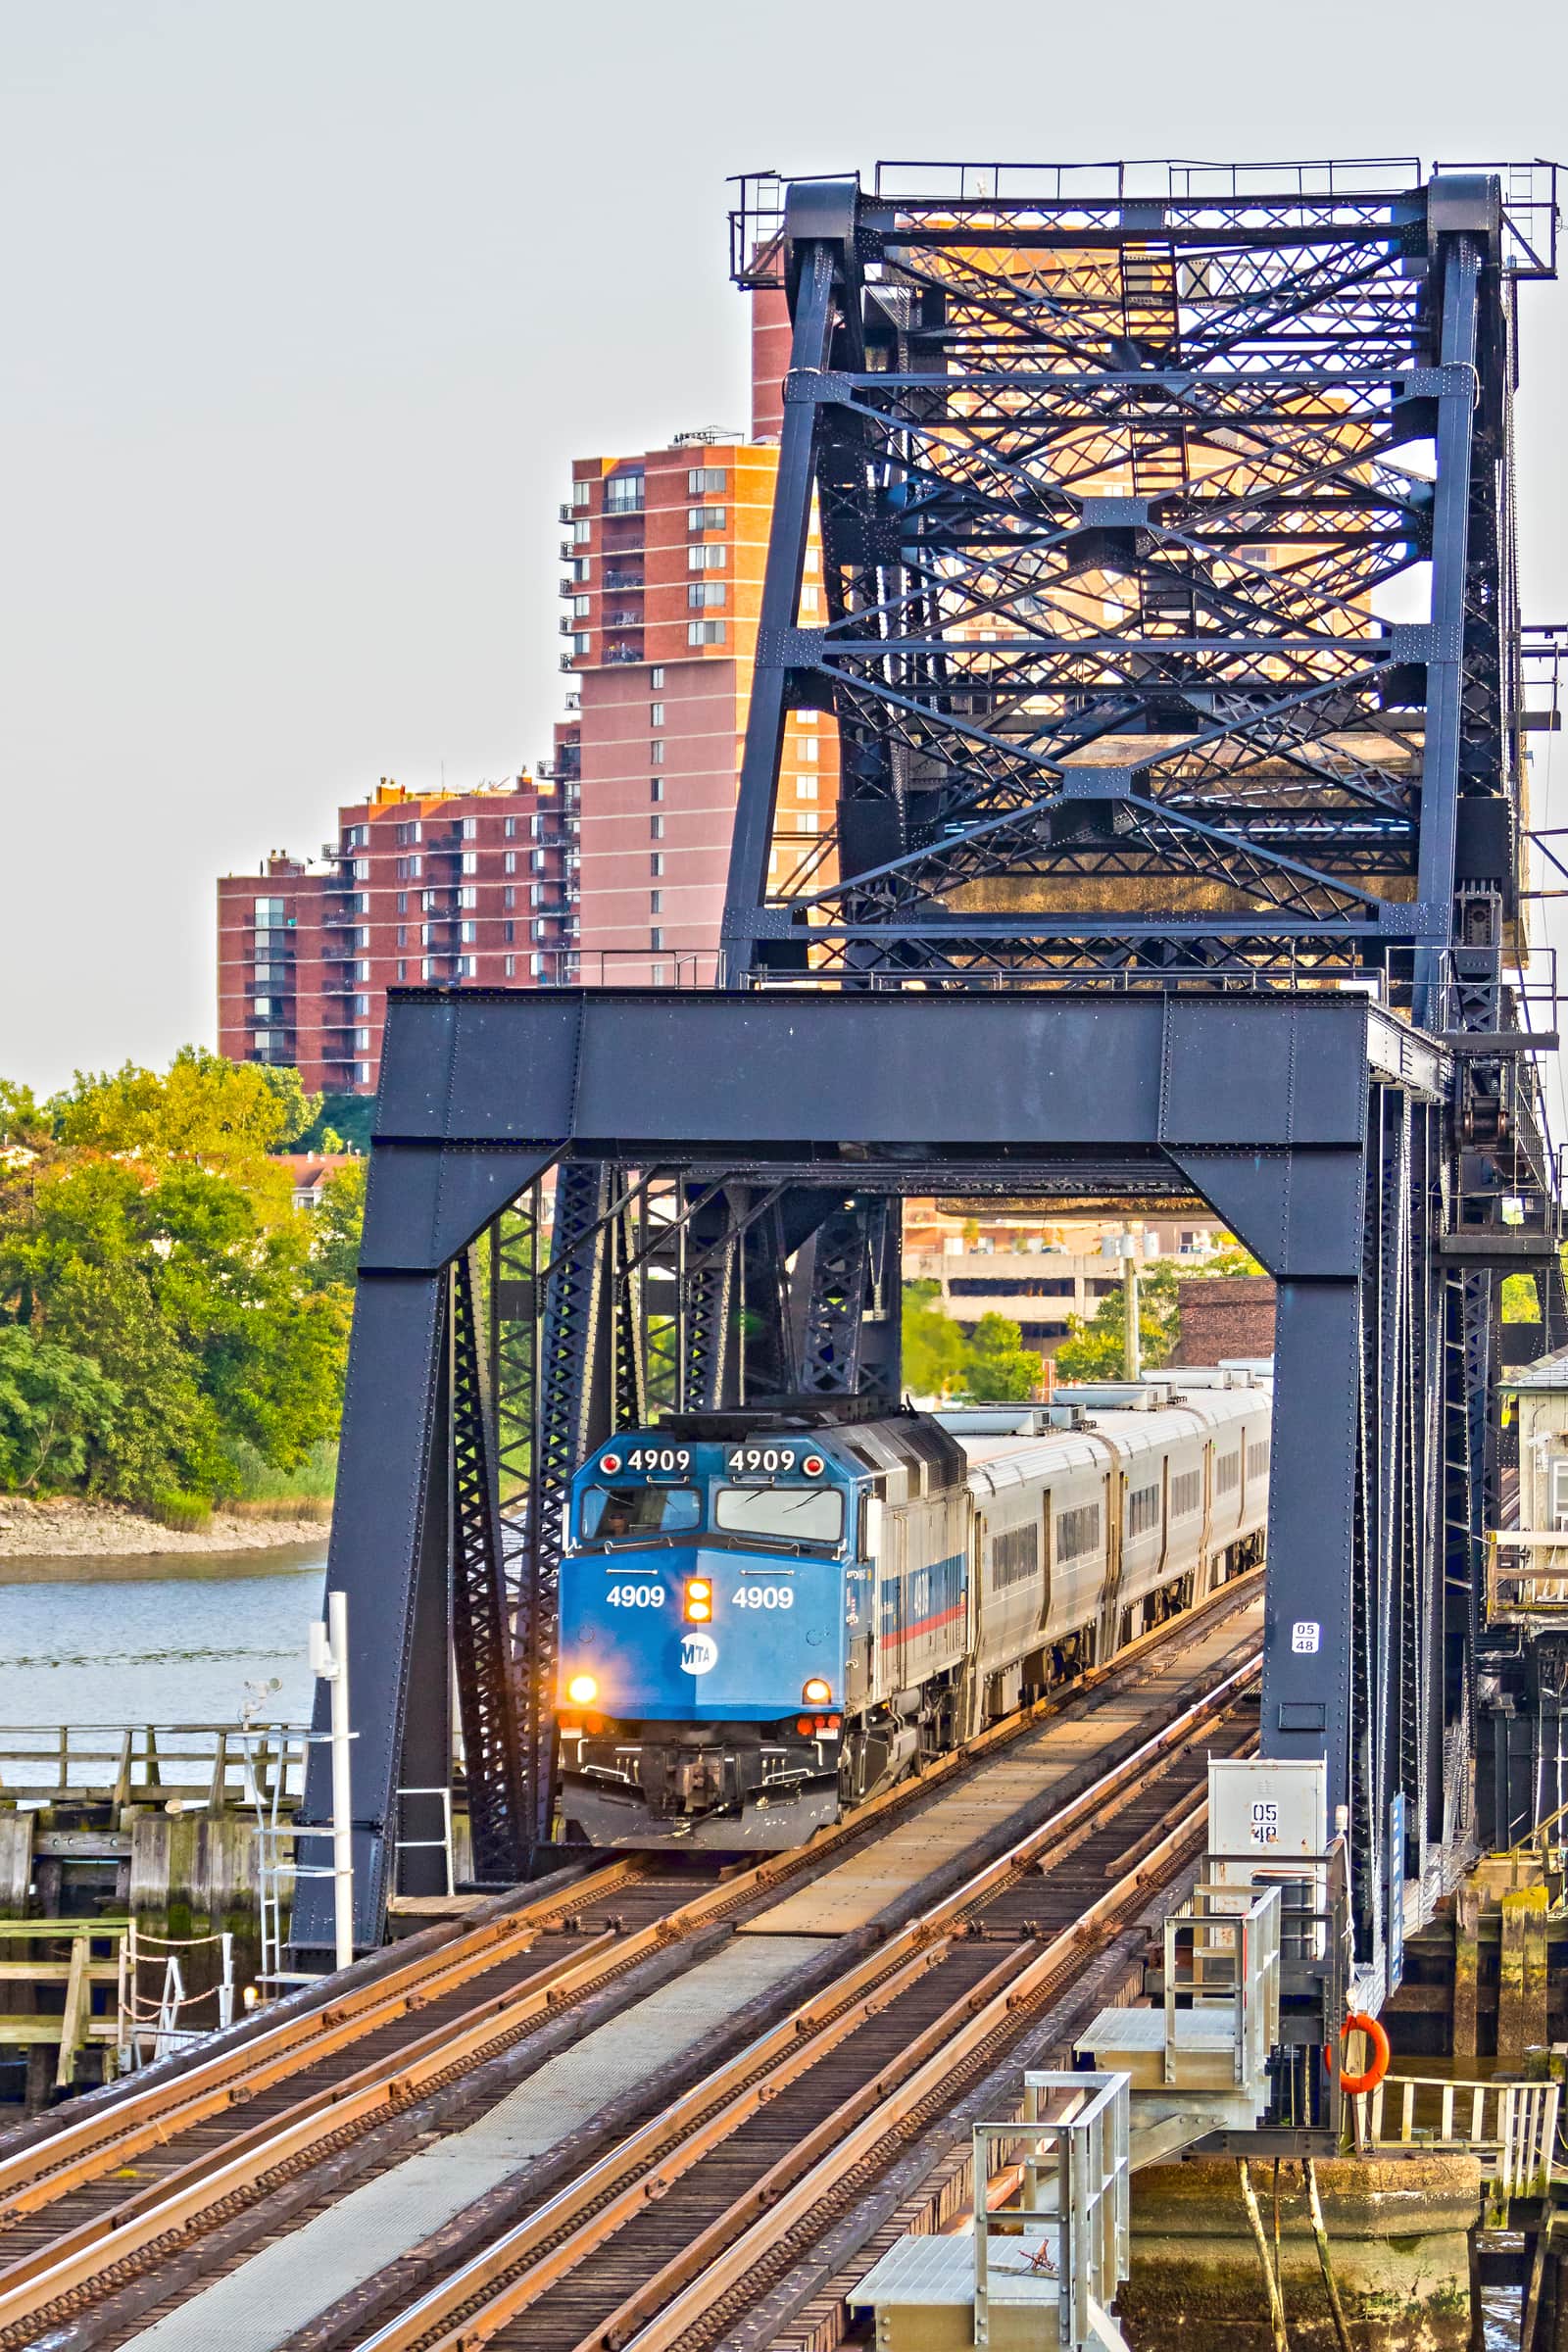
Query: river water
183, 1638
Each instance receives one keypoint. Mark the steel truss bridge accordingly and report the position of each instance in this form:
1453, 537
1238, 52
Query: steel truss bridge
1171, 632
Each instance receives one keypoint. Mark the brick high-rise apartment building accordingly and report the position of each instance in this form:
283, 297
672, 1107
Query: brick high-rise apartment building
664, 582
663, 587
451, 888
665, 562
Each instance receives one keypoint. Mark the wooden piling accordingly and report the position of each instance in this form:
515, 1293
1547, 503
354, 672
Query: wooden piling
1466, 1971
1522, 1980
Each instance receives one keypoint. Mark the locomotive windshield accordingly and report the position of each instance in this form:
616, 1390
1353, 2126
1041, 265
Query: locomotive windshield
802, 1514
616, 1514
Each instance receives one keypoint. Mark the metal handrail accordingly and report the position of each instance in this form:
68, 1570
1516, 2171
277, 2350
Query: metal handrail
1057, 2228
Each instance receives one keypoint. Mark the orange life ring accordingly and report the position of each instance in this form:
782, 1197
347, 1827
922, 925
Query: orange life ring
1358, 2023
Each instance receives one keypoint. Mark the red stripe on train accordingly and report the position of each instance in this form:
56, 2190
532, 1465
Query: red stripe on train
926, 1624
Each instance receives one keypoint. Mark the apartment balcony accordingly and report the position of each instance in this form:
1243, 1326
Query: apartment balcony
628, 617
570, 661
616, 581
613, 506
624, 652
569, 513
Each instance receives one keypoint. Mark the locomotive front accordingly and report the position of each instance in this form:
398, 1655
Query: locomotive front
705, 1593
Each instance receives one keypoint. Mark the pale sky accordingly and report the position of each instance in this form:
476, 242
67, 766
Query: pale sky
305, 309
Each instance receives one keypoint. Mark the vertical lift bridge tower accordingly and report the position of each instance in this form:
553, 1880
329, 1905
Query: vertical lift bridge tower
1171, 632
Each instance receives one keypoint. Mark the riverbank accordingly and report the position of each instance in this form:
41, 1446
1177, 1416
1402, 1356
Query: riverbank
66, 1528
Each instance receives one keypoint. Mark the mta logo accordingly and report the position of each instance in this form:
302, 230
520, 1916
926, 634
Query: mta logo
698, 1654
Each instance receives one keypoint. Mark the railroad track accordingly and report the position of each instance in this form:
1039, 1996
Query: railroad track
201, 2147
665, 2241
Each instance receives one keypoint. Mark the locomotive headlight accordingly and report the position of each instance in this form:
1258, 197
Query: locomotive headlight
815, 1692
699, 1601
582, 1689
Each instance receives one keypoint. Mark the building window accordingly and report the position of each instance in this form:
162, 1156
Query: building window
509, 896
656, 715
403, 969
408, 870
656, 901
805, 821
361, 1041
658, 678
582, 492
468, 895
656, 788
704, 479
510, 830
706, 518
361, 1009
358, 837
808, 750
468, 933
407, 835
582, 641
808, 600
708, 557
362, 1070
470, 861
362, 937
424, 935
707, 591
470, 828
656, 862
806, 788
510, 967
655, 828
402, 901
577, 569
582, 530
509, 932
655, 937
362, 971
581, 605
806, 719
623, 494
467, 966
268, 1009
269, 915
362, 870
705, 632
656, 753
426, 969
508, 862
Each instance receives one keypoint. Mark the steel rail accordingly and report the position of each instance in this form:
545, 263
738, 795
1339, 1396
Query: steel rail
47, 2168
35, 2175
506, 2277
71, 2269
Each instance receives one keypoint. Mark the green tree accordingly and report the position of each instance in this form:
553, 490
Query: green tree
1001, 1369
1521, 1301
337, 1222
224, 1113
934, 1349
57, 1412
209, 1319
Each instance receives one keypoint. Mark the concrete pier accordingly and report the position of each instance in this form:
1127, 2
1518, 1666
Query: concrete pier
1398, 2235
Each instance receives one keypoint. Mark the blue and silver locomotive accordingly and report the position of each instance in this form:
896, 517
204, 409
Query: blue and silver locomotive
768, 1616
